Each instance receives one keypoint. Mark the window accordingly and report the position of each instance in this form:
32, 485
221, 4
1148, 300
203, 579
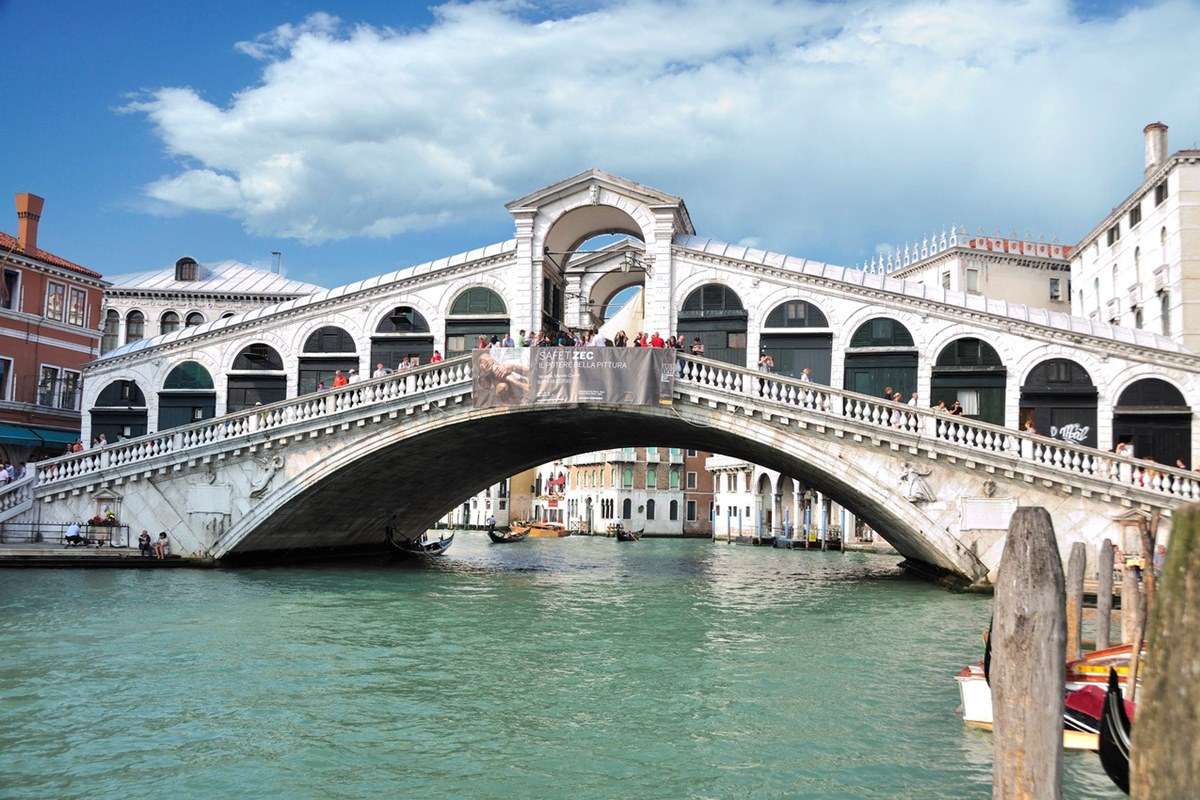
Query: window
674, 510
77, 308
651, 477
186, 269
945, 280
691, 510
627, 478
1056, 289
112, 331
1137, 318
973, 281
1160, 193
10, 292
627, 509
6, 365
169, 322
674, 478
1164, 312
691, 453
1135, 214
329, 339
477, 300
193, 319
58, 387
691, 480
735, 341
649, 509
456, 344
652, 454
56, 295
613, 482
747, 511
969, 398
1113, 235
796, 314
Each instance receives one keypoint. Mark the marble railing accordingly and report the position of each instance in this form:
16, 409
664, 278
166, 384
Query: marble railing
957, 432
16, 496
716, 380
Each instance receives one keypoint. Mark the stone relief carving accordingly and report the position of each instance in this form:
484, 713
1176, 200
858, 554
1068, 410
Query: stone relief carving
268, 466
914, 486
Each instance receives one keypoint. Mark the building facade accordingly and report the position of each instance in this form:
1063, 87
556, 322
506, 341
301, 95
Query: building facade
49, 315
1137, 267
697, 494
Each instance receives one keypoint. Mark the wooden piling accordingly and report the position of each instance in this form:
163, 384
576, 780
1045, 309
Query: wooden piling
1131, 603
1028, 662
1104, 594
1075, 567
1166, 732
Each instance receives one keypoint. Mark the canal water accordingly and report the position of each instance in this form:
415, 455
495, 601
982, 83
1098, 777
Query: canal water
578, 668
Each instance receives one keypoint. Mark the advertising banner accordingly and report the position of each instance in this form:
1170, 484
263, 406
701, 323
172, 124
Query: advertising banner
510, 376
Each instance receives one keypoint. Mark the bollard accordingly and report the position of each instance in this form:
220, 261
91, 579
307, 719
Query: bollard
1104, 594
1075, 567
1166, 733
1028, 662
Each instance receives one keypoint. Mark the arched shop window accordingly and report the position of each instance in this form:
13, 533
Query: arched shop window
715, 314
1059, 399
1153, 419
257, 378
326, 351
119, 411
188, 395
970, 372
401, 334
475, 312
881, 354
796, 335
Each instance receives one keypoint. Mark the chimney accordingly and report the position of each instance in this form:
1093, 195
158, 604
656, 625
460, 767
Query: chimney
1156, 146
29, 211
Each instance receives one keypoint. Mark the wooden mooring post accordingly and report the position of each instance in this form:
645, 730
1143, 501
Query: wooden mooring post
1028, 662
1131, 603
1075, 567
1104, 594
1166, 732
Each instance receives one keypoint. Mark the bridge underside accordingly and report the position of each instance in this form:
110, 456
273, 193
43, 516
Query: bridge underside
411, 481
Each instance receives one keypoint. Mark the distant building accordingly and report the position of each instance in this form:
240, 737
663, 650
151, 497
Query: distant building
146, 304
49, 316
697, 494
1139, 265
1029, 273
509, 500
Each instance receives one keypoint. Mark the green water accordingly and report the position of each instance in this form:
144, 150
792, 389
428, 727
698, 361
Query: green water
573, 668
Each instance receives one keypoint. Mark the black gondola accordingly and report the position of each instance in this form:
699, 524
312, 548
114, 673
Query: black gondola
507, 538
628, 536
421, 546
1114, 735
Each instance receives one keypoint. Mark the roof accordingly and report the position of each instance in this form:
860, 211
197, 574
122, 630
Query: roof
479, 253
10, 243
546, 194
222, 277
971, 302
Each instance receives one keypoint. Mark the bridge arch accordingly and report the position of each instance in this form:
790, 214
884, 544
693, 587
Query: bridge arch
363, 473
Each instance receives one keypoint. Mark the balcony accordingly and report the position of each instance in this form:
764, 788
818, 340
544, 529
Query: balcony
676, 455
651, 455
1161, 276
1114, 311
1135, 296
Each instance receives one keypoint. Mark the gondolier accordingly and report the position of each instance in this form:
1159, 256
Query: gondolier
491, 523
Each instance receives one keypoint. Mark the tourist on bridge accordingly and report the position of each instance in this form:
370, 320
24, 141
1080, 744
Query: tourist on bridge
940, 408
436, 357
697, 346
657, 341
339, 379
380, 371
621, 340
352, 377
956, 410
806, 375
508, 341
888, 391
766, 363
522, 339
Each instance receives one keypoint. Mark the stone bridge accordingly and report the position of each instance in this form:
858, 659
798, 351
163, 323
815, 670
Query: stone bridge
329, 471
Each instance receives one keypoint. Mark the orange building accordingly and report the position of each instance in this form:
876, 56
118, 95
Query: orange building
49, 328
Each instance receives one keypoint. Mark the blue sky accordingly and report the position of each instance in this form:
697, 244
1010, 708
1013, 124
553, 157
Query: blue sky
360, 138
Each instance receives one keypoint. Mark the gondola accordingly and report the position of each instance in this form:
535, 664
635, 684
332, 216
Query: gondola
629, 536
423, 545
1114, 735
507, 538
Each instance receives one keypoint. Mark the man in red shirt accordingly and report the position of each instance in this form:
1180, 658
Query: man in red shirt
657, 341
339, 379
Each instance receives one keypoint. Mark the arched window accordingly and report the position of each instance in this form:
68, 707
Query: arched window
124, 394
406, 319
135, 326
627, 509
258, 357
798, 349
227, 315
400, 335
1164, 312
715, 314
168, 322
186, 269
969, 352
969, 371
188, 375
881, 355
1154, 420
112, 331
119, 411
477, 300
1059, 400
674, 511
329, 339
881, 332
649, 509
796, 314
193, 319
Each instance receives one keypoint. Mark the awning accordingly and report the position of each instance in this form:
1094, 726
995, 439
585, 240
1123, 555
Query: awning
35, 436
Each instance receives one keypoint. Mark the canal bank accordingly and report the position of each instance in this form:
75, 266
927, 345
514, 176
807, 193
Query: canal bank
662, 669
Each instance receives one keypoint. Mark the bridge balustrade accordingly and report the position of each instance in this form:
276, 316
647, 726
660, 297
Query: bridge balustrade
720, 381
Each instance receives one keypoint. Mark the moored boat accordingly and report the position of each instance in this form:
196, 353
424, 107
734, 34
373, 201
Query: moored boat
1114, 744
540, 530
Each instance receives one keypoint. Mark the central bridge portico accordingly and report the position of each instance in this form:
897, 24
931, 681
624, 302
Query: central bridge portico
331, 469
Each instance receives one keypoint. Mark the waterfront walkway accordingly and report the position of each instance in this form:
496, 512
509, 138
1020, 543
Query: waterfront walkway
54, 555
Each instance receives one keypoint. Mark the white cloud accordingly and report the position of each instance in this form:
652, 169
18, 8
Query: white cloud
811, 126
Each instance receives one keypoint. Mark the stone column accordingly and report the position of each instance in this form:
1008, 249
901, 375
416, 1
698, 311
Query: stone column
660, 276
777, 515
797, 519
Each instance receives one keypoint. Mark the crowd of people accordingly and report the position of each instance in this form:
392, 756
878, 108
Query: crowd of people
589, 338
11, 472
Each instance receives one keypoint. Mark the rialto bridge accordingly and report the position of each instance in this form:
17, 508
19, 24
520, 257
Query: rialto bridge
226, 445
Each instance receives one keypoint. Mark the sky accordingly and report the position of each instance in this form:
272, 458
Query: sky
358, 138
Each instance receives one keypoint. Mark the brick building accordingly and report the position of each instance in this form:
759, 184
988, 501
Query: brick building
49, 328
